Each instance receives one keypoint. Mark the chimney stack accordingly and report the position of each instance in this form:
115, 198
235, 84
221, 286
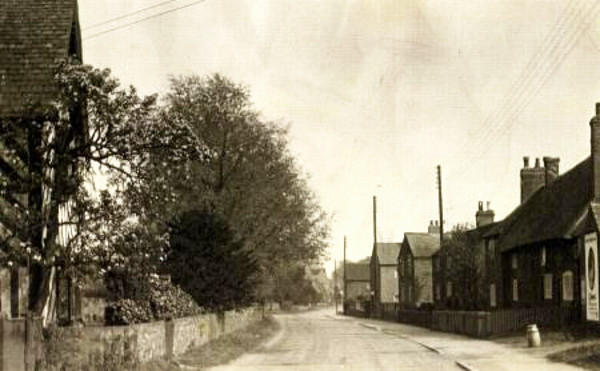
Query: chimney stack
551, 169
484, 217
433, 227
532, 178
595, 155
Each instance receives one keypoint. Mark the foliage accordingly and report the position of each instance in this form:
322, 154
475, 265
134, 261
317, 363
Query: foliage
133, 300
209, 263
466, 269
250, 180
53, 151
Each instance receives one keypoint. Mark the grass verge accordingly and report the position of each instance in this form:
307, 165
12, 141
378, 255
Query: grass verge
221, 350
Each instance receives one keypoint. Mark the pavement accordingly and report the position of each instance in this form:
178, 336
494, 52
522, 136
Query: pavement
322, 340
510, 353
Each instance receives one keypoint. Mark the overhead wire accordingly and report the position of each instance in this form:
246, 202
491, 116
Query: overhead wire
128, 15
92, 36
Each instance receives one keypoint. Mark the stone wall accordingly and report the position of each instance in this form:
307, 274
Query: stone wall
126, 347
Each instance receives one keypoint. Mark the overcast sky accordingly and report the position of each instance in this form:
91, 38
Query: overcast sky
377, 93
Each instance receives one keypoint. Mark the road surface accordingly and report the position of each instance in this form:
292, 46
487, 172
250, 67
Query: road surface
319, 340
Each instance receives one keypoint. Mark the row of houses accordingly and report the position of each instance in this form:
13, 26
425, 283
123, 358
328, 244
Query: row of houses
544, 254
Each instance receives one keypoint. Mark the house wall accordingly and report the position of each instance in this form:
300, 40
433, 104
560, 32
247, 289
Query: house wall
4, 293
423, 281
560, 256
357, 288
389, 283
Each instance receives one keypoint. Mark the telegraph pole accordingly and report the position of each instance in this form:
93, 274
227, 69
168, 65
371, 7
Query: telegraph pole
335, 286
344, 301
375, 220
439, 183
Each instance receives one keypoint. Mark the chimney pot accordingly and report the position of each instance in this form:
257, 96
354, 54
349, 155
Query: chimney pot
480, 206
537, 162
598, 109
526, 161
550, 169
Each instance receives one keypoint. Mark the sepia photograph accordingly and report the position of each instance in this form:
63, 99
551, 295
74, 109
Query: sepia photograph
299, 185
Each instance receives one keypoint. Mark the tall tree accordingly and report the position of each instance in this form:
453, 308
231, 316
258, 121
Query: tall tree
208, 262
252, 180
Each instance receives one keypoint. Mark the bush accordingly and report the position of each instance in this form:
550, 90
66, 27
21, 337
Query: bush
161, 301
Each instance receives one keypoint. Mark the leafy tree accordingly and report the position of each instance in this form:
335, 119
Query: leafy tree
250, 180
208, 262
466, 268
52, 152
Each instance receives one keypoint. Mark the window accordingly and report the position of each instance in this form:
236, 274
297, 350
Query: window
396, 273
438, 292
492, 249
448, 289
401, 266
448, 262
409, 296
515, 289
492, 295
543, 257
547, 286
567, 286
513, 261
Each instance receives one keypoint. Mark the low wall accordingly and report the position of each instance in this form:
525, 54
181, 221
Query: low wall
126, 347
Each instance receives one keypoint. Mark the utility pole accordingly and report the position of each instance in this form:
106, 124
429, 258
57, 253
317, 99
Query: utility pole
335, 286
439, 183
374, 270
344, 301
375, 220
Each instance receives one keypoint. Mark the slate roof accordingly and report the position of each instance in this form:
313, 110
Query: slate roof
422, 245
387, 252
34, 36
357, 272
553, 212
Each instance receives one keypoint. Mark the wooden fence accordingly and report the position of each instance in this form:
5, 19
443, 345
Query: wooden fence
482, 323
415, 317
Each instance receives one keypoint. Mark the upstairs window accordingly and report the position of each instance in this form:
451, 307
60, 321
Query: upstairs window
543, 257
515, 289
514, 263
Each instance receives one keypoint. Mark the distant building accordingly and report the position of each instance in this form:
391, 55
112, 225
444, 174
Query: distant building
358, 283
384, 274
415, 267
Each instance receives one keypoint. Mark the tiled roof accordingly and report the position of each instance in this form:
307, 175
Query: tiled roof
553, 212
387, 252
34, 35
357, 272
422, 244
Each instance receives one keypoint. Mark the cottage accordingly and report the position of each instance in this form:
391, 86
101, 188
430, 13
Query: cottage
545, 251
415, 268
357, 285
384, 275
35, 35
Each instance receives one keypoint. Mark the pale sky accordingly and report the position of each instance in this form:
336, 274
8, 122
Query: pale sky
377, 93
